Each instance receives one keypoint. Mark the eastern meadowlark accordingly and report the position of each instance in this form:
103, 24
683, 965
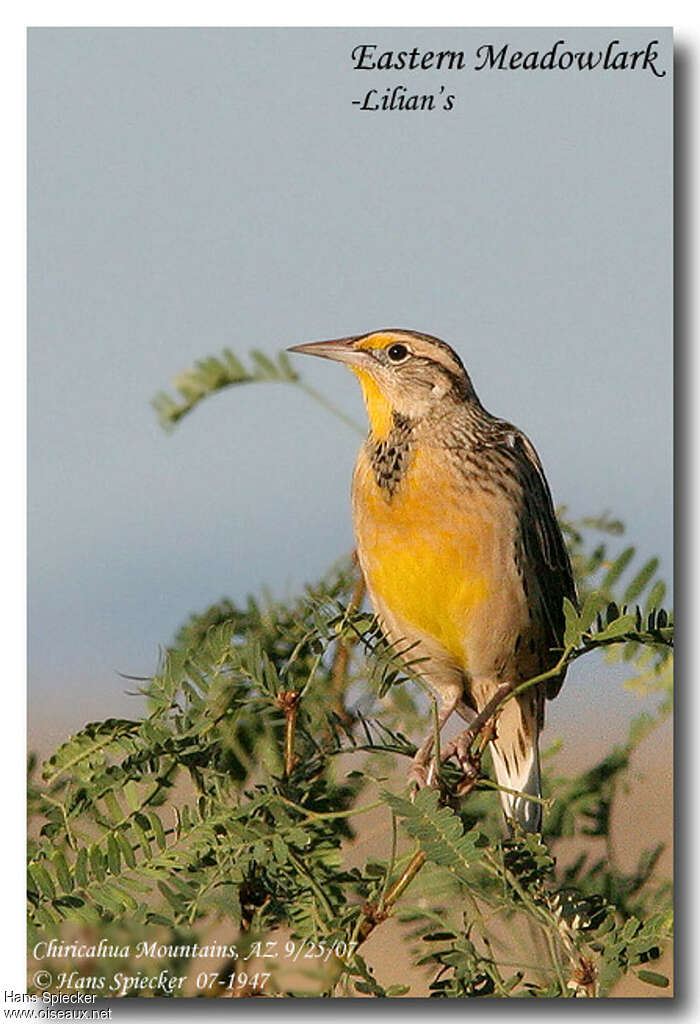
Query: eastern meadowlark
459, 545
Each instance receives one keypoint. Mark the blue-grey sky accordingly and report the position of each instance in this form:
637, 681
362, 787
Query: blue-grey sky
195, 189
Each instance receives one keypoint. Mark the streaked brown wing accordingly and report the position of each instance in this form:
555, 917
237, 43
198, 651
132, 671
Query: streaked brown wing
544, 549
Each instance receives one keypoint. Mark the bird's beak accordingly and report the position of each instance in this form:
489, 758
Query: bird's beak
341, 349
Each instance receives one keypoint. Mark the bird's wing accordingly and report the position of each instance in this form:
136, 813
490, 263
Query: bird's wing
544, 547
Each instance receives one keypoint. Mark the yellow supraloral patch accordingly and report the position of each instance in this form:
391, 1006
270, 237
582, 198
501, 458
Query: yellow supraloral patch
380, 339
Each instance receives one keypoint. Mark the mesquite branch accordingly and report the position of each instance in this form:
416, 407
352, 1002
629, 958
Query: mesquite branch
288, 701
341, 660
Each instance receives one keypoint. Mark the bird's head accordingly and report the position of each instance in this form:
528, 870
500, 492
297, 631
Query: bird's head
405, 373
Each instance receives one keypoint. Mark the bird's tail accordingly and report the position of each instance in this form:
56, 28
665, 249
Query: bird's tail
516, 761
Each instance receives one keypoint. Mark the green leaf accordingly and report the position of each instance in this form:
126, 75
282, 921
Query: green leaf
80, 869
213, 374
92, 742
97, 862
640, 581
124, 899
157, 827
113, 858
112, 805
264, 366
141, 839
656, 596
235, 366
572, 631
126, 850
618, 627
43, 880
47, 916
280, 848
107, 900
653, 978
131, 794
591, 606
438, 829
84, 912
63, 875
639, 728
617, 568
175, 901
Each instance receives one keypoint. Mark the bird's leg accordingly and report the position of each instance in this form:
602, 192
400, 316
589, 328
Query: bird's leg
460, 746
423, 771
465, 711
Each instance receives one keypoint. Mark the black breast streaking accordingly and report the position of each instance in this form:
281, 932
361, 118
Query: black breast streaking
389, 457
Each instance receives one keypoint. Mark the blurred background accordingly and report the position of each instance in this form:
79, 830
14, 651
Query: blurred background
195, 189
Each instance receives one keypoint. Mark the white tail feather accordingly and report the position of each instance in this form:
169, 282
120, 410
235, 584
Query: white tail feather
519, 772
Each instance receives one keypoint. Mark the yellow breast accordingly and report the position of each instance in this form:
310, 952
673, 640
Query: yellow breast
425, 551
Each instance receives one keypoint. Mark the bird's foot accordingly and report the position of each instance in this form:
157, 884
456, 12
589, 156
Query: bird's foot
422, 775
469, 762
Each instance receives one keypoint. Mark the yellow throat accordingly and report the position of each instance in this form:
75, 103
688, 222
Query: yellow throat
379, 409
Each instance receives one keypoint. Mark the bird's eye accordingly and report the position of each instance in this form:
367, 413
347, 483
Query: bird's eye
397, 353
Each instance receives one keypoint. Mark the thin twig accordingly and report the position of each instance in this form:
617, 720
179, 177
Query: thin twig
392, 861
288, 702
372, 915
329, 815
341, 659
322, 400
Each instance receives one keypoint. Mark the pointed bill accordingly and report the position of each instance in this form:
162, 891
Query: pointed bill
341, 349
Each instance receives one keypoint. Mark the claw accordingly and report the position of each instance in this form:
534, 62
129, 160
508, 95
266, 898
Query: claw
422, 776
469, 763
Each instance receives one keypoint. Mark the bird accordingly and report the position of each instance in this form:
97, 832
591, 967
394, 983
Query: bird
462, 554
